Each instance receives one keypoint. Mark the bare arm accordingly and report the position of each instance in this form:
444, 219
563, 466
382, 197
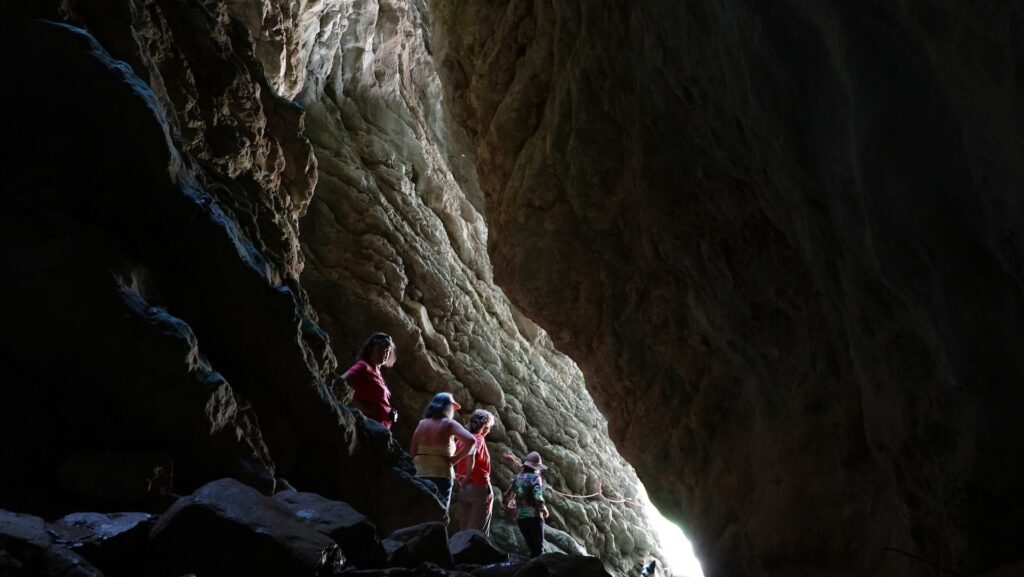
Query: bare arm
470, 464
513, 460
415, 442
468, 443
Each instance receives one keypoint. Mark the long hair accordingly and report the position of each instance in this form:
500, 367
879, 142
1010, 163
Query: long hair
438, 406
478, 420
374, 340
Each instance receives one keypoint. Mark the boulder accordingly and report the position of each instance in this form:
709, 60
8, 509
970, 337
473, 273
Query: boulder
424, 570
351, 530
560, 565
23, 534
228, 529
423, 543
113, 541
60, 562
26, 550
507, 569
472, 547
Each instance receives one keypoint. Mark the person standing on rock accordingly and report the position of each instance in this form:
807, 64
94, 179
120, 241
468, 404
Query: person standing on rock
528, 489
475, 497
370, 394
433, 447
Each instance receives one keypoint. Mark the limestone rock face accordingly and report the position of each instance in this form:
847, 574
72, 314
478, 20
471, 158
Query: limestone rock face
781, 239
149, 216
395, 240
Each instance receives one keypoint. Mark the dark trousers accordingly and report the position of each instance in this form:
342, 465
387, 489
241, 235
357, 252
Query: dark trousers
444, 489
533, 531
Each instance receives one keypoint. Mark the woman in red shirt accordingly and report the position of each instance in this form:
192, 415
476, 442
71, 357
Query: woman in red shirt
370, 394
475, 496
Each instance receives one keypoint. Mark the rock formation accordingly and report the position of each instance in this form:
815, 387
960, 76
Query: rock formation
781, 239
229, 529
154, 220
154, 319
395, 240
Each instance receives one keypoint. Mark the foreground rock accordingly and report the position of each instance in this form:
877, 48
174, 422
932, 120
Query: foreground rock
115, 542
352, 531
506, 569
27, 550
424, 543
472, 547
561, 565
226, 528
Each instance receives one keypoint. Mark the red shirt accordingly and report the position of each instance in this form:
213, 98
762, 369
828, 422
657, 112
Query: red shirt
370, 392
481, 465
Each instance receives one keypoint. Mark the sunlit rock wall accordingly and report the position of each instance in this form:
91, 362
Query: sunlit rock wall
783, 240
152, 193
395, 240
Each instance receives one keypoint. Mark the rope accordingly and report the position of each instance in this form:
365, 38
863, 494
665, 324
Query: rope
598, 493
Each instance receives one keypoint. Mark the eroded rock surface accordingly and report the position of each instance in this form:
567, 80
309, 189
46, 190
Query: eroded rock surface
782, 241
395, 240
150, 221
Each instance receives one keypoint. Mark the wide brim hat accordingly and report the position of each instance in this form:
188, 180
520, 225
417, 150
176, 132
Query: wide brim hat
533, 461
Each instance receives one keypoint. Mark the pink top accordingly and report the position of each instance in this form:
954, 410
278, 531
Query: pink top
370, 392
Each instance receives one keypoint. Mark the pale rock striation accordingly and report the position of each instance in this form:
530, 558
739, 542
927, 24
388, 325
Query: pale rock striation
395, 240
781, 238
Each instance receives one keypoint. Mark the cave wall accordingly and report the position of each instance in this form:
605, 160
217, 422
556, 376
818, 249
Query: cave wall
153, 320
782, 241
395, 240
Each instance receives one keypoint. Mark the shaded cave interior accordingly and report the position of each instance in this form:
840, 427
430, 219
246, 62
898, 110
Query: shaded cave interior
781, 241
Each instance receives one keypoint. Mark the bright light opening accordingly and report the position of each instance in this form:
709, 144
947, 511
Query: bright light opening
675, 547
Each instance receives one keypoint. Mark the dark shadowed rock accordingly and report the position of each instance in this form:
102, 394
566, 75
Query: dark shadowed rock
560, 565
60, 562
351, 530
22, 534
226, 528
153, 220
9, 565
507, 569
116, 542
27, 550
116, 480
781, 238
423, 543
424, 570
472, 547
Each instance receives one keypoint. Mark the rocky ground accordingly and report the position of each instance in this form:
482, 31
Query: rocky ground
229, 529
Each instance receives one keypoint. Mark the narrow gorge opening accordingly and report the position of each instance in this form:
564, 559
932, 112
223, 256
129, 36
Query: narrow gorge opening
396, 238
778, 238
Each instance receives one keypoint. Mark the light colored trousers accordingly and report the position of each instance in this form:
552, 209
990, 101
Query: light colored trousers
475, 507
